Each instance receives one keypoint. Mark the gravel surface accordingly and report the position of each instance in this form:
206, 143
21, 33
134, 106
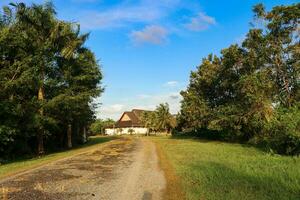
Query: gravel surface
124, 169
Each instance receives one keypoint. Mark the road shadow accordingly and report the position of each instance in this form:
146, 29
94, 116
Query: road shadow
94, 140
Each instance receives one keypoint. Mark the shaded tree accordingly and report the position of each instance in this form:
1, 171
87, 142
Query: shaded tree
48, 79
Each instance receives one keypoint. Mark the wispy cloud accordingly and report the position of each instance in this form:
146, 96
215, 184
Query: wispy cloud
171, 84
111, 109
117, 17
200, 22
174, 96
125, 13
153, 34
143, 96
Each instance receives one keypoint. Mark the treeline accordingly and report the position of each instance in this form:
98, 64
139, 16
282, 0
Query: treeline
48, 79
99, 125
250, 93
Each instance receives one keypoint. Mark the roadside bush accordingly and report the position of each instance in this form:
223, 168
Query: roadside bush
284, 131
282, 134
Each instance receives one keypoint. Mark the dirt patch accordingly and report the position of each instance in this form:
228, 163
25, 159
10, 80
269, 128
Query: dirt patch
125, 169
55, 181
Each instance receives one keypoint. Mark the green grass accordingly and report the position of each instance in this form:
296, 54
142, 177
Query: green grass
20, 165
218, 170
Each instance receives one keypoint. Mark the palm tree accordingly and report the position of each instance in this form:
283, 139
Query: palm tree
148, 119
163, 117
52, 39
38, 21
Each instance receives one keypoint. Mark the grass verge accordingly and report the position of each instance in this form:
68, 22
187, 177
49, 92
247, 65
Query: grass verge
21, 165
173, 189
216, 170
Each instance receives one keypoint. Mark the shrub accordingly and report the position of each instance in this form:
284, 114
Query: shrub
282, 134
285, 131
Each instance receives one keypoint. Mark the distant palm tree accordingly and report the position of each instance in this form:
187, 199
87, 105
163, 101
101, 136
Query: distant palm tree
159, 120
164, 119
149, 119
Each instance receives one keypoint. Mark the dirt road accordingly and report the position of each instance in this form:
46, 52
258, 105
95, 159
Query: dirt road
124, 169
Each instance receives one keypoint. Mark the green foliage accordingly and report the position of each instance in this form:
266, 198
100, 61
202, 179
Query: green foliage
6, 136
250, 92
282, 134
98, 127
159, 120
48, 78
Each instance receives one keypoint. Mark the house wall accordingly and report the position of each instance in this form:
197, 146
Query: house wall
119, 131
110, 131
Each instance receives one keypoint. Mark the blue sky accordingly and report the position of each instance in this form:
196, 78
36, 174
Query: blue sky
147, 48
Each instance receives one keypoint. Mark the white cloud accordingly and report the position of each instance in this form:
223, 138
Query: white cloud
153, 34
171, 84
143, 96
125, 13
144, 101
117, 17
172, 98
111, 109
200, 22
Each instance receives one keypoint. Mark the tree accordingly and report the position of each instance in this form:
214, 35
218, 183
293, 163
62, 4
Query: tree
282, 35
163, 117
240, 94
48, 78
52, 40
149, 120
98, 127
159, 120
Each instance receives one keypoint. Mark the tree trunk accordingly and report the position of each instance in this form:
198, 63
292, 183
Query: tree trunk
78, 132
69, 136
84, 135
40, 134
284, 78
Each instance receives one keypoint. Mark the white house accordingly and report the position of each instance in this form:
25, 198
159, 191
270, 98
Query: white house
129, 123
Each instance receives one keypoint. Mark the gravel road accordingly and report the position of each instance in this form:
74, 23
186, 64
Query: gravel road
123, 169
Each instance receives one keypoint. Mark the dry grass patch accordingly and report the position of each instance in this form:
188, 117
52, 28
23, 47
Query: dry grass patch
19, 166
173, 189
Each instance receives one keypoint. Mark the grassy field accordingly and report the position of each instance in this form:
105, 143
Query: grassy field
26, 164
218, 170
